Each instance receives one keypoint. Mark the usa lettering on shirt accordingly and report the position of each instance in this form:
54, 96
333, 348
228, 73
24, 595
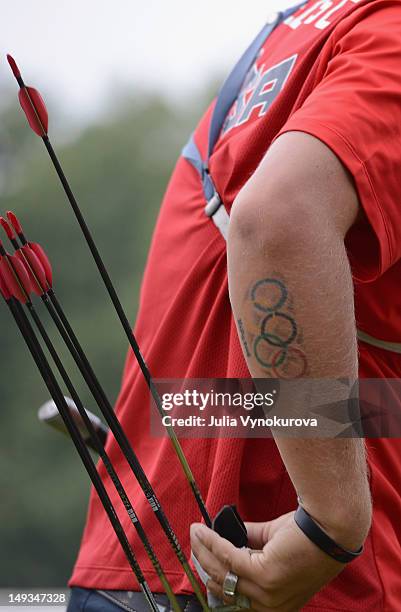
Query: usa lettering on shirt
264, 83
318, 14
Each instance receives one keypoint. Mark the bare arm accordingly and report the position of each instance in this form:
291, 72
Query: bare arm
289, 278
287, 238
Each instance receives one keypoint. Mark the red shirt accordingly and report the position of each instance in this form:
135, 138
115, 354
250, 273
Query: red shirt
332, 70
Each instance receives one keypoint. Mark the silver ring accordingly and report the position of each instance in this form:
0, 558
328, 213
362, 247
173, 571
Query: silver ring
230, 584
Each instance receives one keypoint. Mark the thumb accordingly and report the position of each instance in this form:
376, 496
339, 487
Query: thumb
258, 534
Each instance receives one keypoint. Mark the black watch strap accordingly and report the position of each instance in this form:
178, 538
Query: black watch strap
316, 534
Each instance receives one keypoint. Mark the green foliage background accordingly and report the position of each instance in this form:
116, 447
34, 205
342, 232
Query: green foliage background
118, 168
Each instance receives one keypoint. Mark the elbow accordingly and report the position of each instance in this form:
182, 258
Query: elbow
280, 223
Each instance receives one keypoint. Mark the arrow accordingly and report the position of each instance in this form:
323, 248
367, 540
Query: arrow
23, 280
35, 110
33, 246
7, 289
32, 102
8, 265
102, 401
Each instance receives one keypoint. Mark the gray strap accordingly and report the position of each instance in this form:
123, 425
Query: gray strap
214, 207
232, 85
228, 93
395, 347
221, 219
192, 154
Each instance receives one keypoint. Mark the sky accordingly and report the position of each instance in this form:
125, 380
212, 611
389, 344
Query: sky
81, 54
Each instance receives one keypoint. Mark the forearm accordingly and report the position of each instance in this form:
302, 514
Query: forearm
292, 296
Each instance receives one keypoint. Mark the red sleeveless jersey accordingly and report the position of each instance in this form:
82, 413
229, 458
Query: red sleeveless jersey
331, 70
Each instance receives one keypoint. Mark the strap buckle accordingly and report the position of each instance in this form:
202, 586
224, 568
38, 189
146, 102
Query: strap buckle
213, 205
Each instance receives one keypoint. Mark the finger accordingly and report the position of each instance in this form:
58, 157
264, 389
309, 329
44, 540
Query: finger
254, 604
214, 588
211, 566
209, 562
260, 533
237, 560
217, 572
259, 599
244, 587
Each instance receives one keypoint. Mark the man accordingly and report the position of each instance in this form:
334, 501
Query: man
307, 163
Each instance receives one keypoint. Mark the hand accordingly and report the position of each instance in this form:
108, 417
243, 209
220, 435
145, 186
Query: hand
281, 574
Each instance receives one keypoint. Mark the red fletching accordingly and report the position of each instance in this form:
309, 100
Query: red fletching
44, 260
37, 251
31, 102
7, 228
34, 269
13, 219
13, 286
13, 66
21, 273
4, 289
35, 110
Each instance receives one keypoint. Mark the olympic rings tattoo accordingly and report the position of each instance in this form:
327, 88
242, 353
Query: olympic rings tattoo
262, 284
278, 331
274, 362
269, 336
297, 357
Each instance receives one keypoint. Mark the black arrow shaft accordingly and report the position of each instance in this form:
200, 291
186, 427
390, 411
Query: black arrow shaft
106, 408
106, 460
126, 326
57, 395
67, 333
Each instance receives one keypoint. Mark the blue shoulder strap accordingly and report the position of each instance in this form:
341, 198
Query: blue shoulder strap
232, 85
226, 98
